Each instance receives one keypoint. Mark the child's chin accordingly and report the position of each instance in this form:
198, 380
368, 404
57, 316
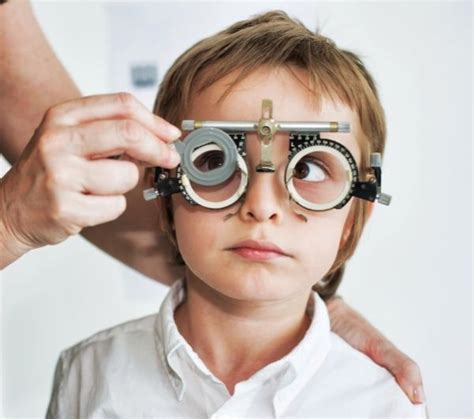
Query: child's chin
263, 287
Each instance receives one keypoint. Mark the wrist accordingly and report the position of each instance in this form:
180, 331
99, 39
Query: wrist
11, 247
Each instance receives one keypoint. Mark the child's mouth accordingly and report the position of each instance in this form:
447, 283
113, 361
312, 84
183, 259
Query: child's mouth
257, 250
256, 254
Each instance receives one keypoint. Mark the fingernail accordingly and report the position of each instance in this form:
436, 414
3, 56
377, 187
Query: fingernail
174, 132
419, 395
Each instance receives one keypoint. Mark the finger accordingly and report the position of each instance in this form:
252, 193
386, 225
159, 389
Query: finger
111, 137
109, 177
92, 210
408, 376
403, 368
112, 106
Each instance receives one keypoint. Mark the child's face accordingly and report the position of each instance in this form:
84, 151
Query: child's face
206, 236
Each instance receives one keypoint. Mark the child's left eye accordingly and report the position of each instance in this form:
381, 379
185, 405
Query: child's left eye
310, 170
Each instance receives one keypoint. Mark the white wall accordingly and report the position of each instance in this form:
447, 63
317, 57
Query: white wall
412, 274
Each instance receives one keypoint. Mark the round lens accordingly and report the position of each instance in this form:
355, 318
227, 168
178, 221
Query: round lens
318, 177
208, 156
207, 159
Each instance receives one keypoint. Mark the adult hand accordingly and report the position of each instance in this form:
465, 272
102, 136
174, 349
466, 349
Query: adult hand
361, 335
65, 181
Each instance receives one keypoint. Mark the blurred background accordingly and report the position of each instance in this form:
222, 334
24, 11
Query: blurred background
412, 273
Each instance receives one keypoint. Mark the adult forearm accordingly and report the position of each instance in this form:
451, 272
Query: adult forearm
32, 78
336, 308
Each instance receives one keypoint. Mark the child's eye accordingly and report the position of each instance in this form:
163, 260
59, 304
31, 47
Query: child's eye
209, 160
311, 170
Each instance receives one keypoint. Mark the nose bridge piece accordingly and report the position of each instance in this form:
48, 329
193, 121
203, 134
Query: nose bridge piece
266, 129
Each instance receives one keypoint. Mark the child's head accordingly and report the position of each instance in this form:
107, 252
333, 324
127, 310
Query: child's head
225, 77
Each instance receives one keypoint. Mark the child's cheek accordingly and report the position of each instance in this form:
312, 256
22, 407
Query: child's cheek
321, 245
196, 232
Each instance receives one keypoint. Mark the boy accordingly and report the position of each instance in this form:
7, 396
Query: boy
243, 334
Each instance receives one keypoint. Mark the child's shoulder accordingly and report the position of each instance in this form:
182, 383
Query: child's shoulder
366, 379
109, 365
121, 338
353, 358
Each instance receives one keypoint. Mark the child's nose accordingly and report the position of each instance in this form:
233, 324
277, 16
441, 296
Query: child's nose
265, 198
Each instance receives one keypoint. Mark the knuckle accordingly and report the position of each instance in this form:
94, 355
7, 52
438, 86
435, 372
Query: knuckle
410, 367
74, 137
52, 114
127, 102
130, 130
47, 138
58, 212
403, 369
54, 180
62, 215
48, 143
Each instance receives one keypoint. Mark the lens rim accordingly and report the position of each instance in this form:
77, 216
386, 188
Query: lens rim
301, 145
191, 195
200, 137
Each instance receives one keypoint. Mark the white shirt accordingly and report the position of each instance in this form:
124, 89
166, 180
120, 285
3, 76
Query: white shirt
145, 368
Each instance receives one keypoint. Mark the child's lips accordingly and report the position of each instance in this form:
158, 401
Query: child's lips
256, 254
258, 250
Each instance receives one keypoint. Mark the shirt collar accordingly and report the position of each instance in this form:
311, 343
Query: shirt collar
167, 337
295, 368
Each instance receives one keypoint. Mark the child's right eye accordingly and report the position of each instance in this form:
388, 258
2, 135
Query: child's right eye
209, 160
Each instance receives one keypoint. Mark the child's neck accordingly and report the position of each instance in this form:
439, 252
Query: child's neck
241, 339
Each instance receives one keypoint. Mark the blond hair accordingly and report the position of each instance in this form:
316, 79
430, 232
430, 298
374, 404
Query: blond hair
274, 39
